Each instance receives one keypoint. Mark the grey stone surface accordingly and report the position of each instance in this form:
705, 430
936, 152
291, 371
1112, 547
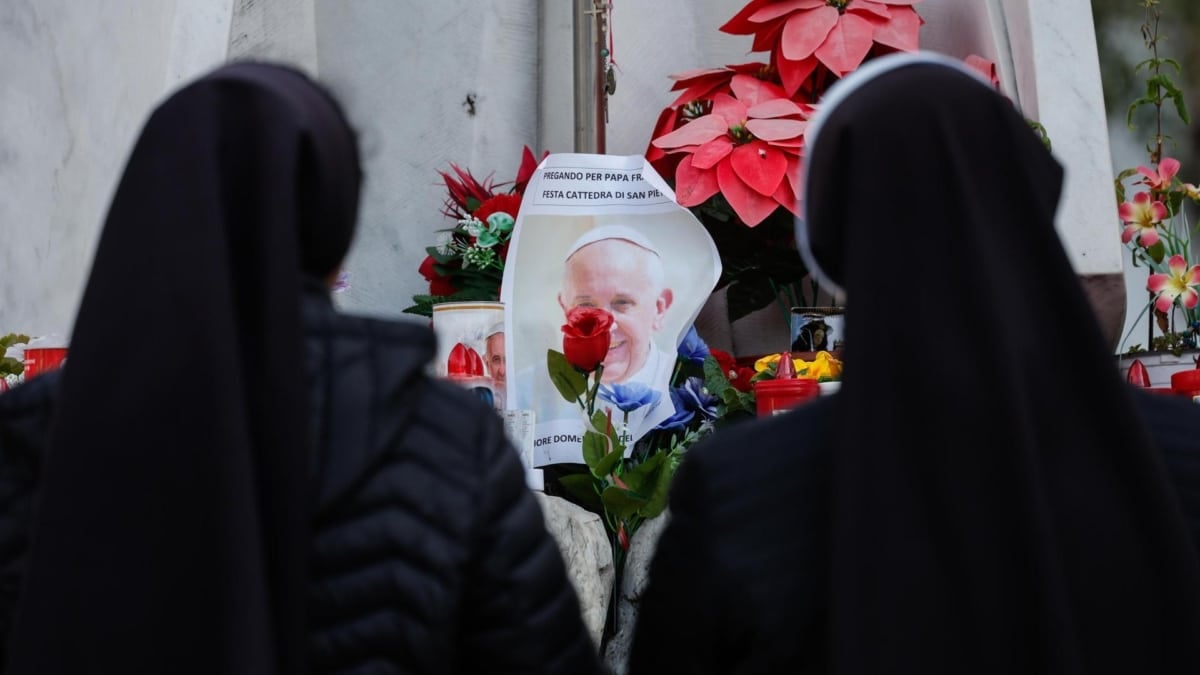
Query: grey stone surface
585, 550
637, 572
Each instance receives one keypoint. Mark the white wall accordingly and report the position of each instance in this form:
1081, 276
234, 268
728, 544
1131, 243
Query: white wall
79, 79
76, 80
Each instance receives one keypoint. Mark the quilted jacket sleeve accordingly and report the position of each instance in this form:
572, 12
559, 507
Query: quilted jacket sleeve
522, 615
24, 426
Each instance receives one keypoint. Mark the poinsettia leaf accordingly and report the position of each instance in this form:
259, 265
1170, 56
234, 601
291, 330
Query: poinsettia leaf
729, 109
699, 131
807, 31
778, 9
707, 155
740, 24
760, 166
786, 197
777, 107
694, 186
795, 74
751, 91
901, 31
847, 45
697, 91
750, 206
867, 8
776, 129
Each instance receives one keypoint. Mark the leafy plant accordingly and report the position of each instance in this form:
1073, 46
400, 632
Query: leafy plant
9, 365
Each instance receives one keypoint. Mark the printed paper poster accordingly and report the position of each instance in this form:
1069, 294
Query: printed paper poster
601, 231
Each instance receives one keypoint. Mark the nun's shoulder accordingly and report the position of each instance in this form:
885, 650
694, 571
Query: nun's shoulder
772, 457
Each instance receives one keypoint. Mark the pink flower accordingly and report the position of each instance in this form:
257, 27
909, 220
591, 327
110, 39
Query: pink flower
1160, 181
836, 34
985, 68
1191, 191
1141, 216
1179, 282
748, 149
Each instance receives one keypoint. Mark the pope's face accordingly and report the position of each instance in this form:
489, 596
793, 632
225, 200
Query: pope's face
494, 355
625, 279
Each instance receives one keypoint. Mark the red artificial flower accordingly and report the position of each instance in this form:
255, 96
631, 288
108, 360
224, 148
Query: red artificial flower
529, 164
707, 82
466, 192
836, 34
508, 203
699, 86
748, 149
439, 286
738, 376
663, 162
586, 337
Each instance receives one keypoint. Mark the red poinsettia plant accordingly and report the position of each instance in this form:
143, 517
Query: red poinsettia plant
738, 131
468, 264
732, 141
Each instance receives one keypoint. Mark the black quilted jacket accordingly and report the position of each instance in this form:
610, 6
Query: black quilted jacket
429, 554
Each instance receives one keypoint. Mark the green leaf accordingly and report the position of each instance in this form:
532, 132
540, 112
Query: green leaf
12, 339
583, 487
1181, 107
595, 449
621, 503
1157, 251
570, 382
652, 480
1119, 183
608, 464
640, 477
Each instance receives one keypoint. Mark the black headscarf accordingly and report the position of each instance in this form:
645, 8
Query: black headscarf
995, 509
172, 530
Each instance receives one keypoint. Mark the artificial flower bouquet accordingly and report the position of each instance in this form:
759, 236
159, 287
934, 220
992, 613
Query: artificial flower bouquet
630, 485
1154, 223
468, 263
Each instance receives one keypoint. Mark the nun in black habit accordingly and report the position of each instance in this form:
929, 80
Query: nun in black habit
240, 479
984, 501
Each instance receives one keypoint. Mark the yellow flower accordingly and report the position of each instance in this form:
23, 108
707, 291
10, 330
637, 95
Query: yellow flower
823, 366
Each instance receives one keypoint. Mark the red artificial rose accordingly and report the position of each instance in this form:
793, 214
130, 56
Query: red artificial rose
439, 286
506, 203
586, 337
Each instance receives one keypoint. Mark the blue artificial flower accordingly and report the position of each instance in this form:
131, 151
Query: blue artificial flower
693, 348
630, 397
680, 418
697, 399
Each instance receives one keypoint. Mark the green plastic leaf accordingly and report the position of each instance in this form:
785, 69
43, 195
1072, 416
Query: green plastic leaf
656, 485
583, 487
570, 383
608, 464
595, 449
1157, 252
621, 503
641, 477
